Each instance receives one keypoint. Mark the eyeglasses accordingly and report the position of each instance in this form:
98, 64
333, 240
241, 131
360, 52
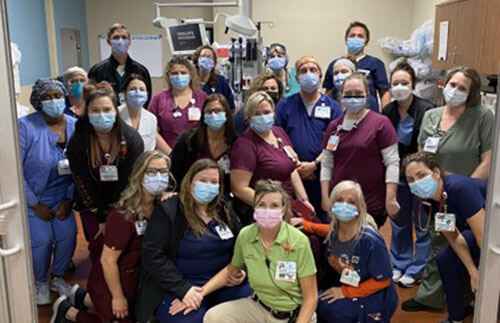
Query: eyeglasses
155, 171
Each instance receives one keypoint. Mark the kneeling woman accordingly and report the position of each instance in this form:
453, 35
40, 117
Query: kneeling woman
189, 240
458, 205
363, 290
112, 281
280, 266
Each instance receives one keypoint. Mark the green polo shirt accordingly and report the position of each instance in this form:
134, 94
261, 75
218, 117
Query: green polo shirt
249, 252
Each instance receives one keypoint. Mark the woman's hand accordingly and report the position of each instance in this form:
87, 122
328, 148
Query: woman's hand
306, 170
392, 206
42, 211
63, 210
193, 297
474, 280
102, 230
297, 222
119, 306
332, 294
176, 307
236, 279
166, 195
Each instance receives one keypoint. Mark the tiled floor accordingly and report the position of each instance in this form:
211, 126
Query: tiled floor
83, 266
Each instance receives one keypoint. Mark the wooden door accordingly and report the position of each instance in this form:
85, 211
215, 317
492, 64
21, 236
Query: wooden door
490, 55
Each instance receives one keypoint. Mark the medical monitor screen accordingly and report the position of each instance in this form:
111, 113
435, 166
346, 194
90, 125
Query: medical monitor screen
185, 38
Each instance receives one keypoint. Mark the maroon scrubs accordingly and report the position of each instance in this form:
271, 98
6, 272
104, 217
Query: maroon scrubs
358, 156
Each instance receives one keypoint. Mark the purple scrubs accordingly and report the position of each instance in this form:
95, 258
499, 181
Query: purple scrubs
162, 105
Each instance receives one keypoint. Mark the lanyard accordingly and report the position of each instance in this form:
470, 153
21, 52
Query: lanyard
442, 207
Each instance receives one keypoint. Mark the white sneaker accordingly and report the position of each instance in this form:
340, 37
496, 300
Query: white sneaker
59, 285
42, 293
396, 275
407, 281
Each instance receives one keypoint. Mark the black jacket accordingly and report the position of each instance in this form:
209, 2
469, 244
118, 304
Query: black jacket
106, 71
417, 109
90, 192
159, 273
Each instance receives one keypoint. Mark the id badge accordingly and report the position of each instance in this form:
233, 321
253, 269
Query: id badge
194, 114
290, 153
444, 222
108, 173
224, 164
431, 145
333, 143
286, 271
224, 233
63, 167
140, 227
322, 112
350, 277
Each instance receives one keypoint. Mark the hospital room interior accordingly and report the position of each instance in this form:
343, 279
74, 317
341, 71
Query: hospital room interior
240, 161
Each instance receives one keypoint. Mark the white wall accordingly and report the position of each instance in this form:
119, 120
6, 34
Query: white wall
423, 10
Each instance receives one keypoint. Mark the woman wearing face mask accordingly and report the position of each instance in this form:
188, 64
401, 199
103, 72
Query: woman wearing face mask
112, 281
189, 239
406, 114
212, 138
135, 115
342, 69
205, 60
75, 79
43, 138
460, 136
267, 82
362, 139
178, 108
359, 266
457, 206
101, 154
263, 151
277, 61
280, 266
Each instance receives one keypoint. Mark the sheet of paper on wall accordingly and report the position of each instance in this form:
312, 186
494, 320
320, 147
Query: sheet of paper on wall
443, 40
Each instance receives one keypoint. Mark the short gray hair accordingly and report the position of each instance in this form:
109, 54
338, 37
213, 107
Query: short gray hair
73, 71
254, 100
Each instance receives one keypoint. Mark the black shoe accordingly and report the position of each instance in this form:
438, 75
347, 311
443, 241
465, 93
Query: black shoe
61, 307
77, 296
412, 305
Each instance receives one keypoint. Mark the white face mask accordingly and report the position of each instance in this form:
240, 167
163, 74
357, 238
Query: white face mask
454, 97
400, 92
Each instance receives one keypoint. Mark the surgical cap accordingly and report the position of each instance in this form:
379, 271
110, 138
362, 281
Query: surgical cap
73, 71
307, 59
41, 86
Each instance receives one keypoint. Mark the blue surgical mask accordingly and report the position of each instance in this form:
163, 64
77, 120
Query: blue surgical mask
355, 45
54, 108
424, 188
354, 104
276, 64
339, 79
76, 89
344, 211
136, 98
119, 46
204, 193
155, 184
102, 122
180, 82
454, 97
309, 82
215, 121
206, 64
262, 123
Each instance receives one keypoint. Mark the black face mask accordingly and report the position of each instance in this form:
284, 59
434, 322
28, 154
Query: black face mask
275, 96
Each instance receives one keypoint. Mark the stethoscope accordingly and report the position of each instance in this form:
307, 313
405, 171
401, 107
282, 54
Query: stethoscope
177, 112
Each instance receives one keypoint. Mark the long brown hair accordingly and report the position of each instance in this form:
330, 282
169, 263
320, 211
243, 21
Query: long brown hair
212, 80
213, 209
474, 98
93, 91
258, 83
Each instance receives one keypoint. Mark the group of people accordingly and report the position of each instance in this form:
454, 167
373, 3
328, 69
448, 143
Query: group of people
195, 212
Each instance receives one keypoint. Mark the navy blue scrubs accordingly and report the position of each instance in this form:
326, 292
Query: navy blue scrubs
221, 87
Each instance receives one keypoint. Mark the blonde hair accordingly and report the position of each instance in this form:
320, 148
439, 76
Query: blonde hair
254, 100
194, 82
72, 72
193, 220
308, 59
364, 219
130, 203
267, 186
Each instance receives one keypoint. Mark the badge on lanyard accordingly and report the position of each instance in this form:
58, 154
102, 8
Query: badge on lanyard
63, 167
140, 227
290, 153
194, 114
431, 145
333, 143
108, 173
286, 271
224, 232
224, 164
322, 112
350, 277
445, 222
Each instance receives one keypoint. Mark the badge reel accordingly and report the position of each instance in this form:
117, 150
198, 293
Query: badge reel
224, 164
350, 277
140, 227
286, 271
290, 153
322, 112
444, 222
63, 167
108, 173
194, 113
224, 232
333, 143
431, 145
